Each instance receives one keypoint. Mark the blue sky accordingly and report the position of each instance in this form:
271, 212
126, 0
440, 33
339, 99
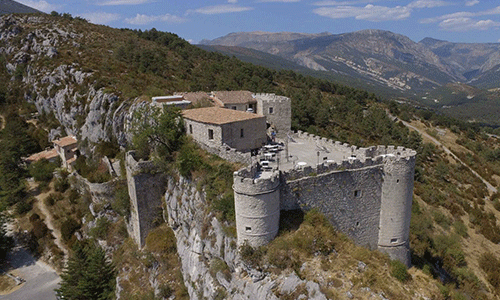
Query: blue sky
467, 21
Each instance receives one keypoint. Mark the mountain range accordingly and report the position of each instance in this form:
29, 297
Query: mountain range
378, 58
12, 7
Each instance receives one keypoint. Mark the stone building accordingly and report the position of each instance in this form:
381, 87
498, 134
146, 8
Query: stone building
366, 193
66, 148
276, 109
217, 127
236, 100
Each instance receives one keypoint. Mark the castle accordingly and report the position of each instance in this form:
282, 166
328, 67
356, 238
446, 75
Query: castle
365, 193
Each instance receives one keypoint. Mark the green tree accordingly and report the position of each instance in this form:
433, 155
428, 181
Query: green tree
6, 242
88, 274
157, 132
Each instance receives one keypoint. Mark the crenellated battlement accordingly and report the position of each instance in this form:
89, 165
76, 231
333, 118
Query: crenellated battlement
271, 97
365, 192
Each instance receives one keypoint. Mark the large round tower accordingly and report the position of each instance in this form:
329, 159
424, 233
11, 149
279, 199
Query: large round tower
395, 208
257, 205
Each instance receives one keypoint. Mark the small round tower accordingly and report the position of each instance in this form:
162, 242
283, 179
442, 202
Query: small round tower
257, 205
395, 207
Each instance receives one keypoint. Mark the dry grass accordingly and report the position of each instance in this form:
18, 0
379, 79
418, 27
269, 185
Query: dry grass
7, 284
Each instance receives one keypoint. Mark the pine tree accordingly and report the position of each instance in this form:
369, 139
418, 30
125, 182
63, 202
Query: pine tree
88, 274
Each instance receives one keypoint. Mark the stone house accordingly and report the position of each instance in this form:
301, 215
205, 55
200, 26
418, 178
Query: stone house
216, 127
66, 148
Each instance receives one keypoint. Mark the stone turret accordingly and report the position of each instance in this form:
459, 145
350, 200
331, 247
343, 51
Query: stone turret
257, 205
395, 209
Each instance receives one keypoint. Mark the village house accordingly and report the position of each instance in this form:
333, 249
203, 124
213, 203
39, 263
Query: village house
66, 148
236, 100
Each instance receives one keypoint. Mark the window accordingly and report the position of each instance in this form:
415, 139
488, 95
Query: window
210, 134
271, 110
393, 241
241, 133
248, 229
190, 129
357, 193
233, 107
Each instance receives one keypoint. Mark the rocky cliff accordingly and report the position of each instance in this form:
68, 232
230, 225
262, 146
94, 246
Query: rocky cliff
38, 59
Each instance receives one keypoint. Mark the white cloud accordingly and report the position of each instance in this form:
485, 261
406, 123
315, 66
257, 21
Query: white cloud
100, 17
124, 2
283, 1
471, 2
463, 15
140, 19
40, 5
466, 24
427, 4
369, 12
220, 9
342, 3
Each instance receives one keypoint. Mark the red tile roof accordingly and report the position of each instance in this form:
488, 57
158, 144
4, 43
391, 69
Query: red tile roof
47, 154
65, 141
217, 115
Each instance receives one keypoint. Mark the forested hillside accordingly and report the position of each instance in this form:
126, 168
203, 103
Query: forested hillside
89, 74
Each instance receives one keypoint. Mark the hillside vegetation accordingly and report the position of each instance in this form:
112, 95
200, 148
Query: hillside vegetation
454, 228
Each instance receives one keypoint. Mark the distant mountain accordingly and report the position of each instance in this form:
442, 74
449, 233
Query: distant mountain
13, 7
380, 58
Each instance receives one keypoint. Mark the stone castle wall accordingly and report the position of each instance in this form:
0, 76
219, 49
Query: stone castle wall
367, 195
146, 187
350, 199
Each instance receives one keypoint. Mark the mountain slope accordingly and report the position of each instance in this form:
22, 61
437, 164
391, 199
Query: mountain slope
12, 7
87, 80
381, 57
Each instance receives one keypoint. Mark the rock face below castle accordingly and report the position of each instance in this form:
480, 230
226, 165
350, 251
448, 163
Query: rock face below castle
366, 193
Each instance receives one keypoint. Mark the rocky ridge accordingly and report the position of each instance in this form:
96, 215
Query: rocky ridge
381, 57
64, 90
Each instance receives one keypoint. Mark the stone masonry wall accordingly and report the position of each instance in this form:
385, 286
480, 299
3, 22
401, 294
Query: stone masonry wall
350, 199
281, 116
145, 188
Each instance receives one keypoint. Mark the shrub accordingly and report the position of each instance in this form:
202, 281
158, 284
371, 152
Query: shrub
161, 240
68, 227
188, 159
399, 271
42, 170
61, 185
250, 255
460, 229
101, 228
121, 203
23, 206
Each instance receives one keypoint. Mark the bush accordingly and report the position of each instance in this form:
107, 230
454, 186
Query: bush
121, 203
188, 159
460, 229
100, 230
42, 170
250, 255
161, 240
23, 206
399, 271
68, 227
61, 185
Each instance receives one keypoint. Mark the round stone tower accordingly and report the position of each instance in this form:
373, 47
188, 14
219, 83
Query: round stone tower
395, 207
257, 205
